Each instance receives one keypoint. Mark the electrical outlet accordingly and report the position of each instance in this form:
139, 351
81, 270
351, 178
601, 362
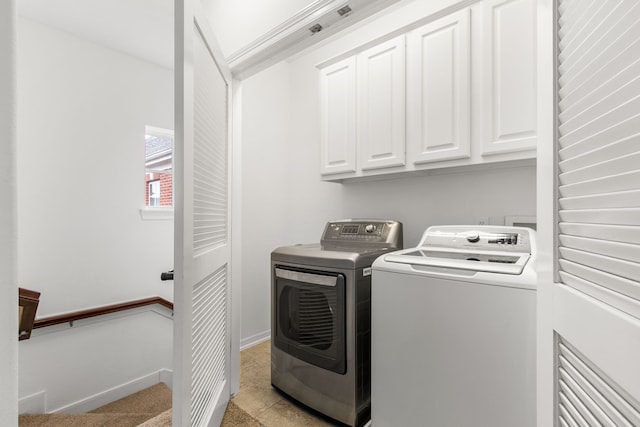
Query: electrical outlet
483, 220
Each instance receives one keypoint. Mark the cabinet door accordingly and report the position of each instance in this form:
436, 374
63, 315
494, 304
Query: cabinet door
509, 79
381, 105
338, 117
438, 89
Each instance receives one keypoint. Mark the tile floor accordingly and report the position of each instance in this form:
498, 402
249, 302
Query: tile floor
270, 407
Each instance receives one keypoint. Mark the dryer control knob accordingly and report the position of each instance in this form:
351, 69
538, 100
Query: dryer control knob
370, 228
473, 236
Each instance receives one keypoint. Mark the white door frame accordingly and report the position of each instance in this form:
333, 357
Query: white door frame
546, 196
236, 233
8, 215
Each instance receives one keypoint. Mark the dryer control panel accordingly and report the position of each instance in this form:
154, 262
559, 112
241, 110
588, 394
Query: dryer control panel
363, 231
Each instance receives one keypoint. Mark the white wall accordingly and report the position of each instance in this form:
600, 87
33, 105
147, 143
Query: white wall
273, 176
284, 200
8, 263
81, 118
97, 361
462, 198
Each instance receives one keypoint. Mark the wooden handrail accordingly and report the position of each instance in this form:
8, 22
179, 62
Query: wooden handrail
28, 305
99, 311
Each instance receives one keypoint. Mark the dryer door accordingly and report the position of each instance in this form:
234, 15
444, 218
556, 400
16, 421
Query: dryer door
310, 316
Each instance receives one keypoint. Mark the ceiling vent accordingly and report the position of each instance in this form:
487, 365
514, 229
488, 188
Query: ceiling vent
315, 29
344, 10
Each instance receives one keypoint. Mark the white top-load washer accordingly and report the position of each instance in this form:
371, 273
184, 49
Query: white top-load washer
453, 330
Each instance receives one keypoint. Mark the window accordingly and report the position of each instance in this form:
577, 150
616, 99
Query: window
158, 168
154, 193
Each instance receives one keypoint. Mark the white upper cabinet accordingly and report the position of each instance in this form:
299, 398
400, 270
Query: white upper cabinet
381, 105
459, 90
338, 94
438, 89
509, 76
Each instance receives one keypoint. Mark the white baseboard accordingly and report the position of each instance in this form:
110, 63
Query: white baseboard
111, 395
166, 376
32, 404
255, 339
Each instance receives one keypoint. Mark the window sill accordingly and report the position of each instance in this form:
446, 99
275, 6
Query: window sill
156, 214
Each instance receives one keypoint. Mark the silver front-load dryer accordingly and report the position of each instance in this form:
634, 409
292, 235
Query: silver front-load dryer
321, 317
453, 330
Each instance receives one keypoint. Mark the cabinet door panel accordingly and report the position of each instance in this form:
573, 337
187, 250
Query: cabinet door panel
338, 117
509, 76
439, 89
381, 102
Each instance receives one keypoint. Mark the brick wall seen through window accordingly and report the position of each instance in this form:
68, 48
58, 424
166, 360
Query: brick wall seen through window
158, 177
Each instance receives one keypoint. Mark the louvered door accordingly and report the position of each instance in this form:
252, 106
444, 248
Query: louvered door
587, 396
594, 304
202, 241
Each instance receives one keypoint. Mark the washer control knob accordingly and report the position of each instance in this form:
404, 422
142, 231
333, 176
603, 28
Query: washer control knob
370, 228
473, 236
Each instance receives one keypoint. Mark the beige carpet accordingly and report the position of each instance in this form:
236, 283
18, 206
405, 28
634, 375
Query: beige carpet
256, 405
152, 400
161, 420
82, 420
147, 408
130, 411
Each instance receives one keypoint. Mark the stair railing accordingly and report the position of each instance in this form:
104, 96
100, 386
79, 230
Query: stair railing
28, 301
99, 311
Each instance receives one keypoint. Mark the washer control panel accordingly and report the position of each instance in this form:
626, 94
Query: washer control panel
496, 238
503, 239
473, 236
388, 233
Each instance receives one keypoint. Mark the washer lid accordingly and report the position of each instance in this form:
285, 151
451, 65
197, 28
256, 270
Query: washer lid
488, 261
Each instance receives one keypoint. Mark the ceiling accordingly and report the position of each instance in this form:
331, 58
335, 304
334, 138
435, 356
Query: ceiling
143, 28
237, 23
